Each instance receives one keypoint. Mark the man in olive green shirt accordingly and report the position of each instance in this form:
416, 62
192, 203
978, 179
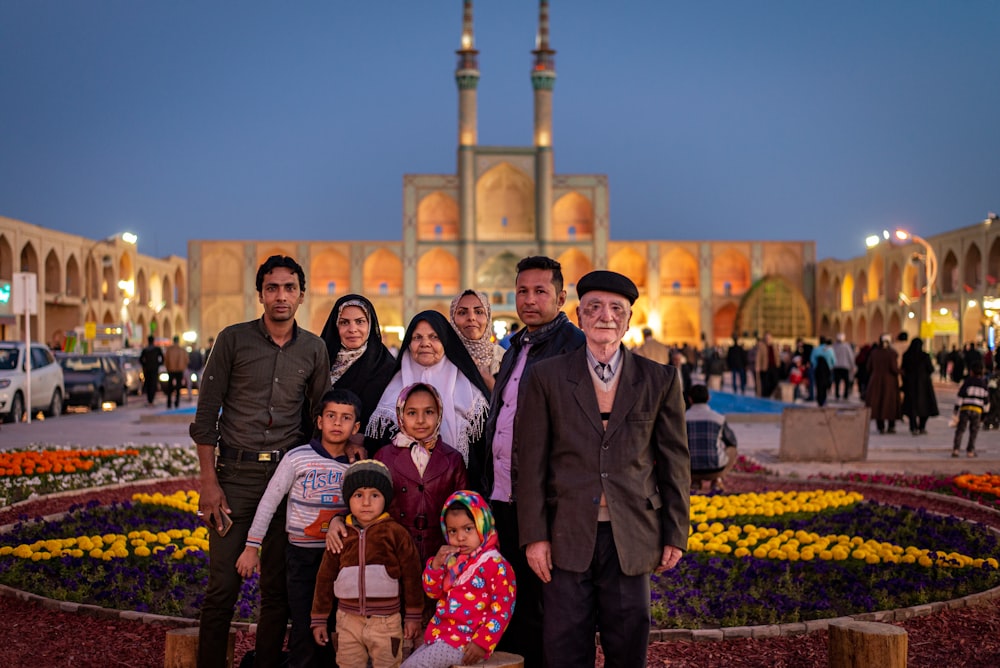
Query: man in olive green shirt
262, 375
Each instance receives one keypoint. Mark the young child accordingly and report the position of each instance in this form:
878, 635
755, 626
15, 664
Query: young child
310, 475
376, 573
974, 398
425, 469
474, 587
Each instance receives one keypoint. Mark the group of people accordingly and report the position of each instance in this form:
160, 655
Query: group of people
180, 365
531, 491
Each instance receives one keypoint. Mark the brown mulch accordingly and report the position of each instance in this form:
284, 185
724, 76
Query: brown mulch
33, 635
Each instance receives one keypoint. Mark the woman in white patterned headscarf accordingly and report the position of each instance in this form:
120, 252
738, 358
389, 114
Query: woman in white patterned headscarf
471, 317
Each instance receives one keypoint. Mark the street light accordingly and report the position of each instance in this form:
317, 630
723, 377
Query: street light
930, 267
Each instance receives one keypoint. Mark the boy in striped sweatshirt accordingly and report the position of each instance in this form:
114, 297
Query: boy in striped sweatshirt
974, 398
310, 478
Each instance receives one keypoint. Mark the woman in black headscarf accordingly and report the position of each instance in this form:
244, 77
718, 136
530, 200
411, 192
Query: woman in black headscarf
919, 401
359, 361
432, 353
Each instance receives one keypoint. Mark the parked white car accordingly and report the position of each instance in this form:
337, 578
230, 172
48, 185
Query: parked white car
47, 389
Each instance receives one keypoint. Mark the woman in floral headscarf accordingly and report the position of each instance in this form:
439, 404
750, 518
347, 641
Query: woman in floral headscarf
432, 353
472, 318
359, 361
473, 584
425, 469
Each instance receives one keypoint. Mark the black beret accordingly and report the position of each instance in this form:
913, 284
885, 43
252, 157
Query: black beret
607, 281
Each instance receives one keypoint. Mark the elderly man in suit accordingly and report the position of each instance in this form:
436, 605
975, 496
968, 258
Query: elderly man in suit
602, 476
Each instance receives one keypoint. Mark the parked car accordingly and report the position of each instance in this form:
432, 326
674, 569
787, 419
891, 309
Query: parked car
133, 370
47, 389
93, 378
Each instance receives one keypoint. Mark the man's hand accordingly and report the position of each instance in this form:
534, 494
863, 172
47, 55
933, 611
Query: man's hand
473, 654
320, 635
211, 503
335, 535
671, 555
539, 556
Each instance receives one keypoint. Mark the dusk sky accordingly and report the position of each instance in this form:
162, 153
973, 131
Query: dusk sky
716, 119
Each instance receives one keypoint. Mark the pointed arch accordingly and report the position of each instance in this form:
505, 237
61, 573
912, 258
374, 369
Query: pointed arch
383, 273
860, 288
948, 276
678, 271
876, 278
74, 281
680, 322
572, 218
498, 273
6, 259
180, 287
724, 323
329, 274
629, 262
730, 273
222, 268
53, 273
437, 273
774, 305
437, 217
860, 333
993, 265
574, 265
847, 293
505, 203
973, 269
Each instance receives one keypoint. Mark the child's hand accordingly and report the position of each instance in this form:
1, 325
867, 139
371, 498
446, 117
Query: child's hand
473, 654
248, 562
411, 630
442, 555
320, 635
355, 449
335, 535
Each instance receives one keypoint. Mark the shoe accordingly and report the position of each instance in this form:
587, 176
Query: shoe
890, 430
954, 453
718, 486
923, 431
971, 454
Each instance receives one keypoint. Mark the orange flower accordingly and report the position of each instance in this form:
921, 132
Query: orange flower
986, 483
30, 462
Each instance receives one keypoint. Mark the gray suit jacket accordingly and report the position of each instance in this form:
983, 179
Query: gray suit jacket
564, 459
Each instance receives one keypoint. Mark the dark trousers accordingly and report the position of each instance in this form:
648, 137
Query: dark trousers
841, 376
918, 423
601, 599
302, 564
739, 381
524, 633
174, 388
149, 381
244, 483
972, 419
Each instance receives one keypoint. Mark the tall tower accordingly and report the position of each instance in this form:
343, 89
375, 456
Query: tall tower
543, 80
467, 78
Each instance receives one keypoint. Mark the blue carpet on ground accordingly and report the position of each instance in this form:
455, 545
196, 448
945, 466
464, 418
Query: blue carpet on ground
727, 403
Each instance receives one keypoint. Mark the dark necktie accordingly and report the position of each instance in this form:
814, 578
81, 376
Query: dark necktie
603, 371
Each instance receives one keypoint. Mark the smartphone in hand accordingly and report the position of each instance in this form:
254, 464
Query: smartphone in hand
226, 520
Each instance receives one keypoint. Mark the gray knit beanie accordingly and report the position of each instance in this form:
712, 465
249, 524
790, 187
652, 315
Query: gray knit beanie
367, 473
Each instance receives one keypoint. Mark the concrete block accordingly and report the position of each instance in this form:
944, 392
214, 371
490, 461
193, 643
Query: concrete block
824, 434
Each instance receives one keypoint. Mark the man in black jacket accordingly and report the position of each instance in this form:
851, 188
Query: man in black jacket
548, 332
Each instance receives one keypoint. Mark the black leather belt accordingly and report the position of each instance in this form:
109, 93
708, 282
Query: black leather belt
243, 455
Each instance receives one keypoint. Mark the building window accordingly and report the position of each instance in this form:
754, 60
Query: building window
503, 222
438, 231
437, 289
571, 231
383, 288
676, 286
331, 287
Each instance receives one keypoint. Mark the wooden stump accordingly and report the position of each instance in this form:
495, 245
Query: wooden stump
501, 660
865, 644
182, 648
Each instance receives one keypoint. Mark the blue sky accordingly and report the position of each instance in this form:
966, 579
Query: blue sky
717, 119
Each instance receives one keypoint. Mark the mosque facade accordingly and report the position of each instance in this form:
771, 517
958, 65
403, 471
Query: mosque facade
468, 230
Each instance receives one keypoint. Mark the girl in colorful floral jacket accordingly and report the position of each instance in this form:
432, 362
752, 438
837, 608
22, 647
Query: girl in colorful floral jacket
473, 584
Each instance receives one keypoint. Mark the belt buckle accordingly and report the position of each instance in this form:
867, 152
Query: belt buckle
269, 456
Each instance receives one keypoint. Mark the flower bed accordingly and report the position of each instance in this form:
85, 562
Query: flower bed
754, 559
30, 472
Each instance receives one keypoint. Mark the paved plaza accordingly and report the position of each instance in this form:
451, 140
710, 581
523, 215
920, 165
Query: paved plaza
759, 437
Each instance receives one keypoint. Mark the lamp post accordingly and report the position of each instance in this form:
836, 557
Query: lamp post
930, 268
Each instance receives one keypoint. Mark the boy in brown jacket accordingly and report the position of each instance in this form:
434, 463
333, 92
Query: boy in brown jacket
375, 576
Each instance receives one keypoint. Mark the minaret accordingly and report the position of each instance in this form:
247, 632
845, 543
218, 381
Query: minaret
543, 79
467, 78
